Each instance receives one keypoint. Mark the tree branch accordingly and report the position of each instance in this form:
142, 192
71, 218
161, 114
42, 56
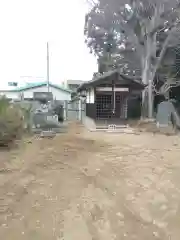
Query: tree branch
163, 51
156, 21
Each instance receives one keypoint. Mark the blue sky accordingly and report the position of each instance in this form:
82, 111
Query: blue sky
26, 26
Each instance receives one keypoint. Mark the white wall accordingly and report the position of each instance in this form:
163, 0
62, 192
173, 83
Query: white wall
11, 95
90, 95
57, 93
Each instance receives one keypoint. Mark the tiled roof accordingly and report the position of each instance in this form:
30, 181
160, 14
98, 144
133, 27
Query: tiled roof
109, 74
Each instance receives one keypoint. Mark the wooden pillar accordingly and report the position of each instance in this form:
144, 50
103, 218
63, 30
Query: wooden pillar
113, 99
80, 110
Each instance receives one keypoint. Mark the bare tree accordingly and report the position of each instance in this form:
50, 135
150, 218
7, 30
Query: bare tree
137, 25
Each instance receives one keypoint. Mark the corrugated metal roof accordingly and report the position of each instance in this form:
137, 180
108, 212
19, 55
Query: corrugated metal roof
40, 84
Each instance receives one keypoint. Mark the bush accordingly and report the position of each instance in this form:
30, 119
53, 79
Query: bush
27, 117
11, 122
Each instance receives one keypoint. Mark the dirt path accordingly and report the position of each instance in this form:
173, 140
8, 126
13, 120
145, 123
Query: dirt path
92, 186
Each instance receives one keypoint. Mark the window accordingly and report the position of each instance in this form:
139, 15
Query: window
12, 84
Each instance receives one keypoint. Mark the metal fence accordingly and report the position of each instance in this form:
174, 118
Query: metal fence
74, 110
42, 116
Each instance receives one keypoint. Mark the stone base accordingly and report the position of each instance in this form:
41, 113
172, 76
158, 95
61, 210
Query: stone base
125, 130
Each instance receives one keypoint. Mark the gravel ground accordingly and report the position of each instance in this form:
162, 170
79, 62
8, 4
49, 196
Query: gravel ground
91, 186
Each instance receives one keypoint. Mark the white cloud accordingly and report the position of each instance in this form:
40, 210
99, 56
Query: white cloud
26, 26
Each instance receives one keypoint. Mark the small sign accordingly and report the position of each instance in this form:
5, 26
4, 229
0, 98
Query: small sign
52, 118
109, 89
112, 127
38, 96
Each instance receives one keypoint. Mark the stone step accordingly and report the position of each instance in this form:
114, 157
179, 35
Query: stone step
117, 130
47, 134
112, 126
56, 130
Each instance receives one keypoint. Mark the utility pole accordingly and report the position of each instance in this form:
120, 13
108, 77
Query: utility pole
48, 66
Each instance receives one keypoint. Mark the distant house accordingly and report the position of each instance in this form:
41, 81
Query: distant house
73, 84
27, 92
12, 84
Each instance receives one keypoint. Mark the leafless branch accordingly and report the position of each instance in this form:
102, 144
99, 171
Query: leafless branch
163, 50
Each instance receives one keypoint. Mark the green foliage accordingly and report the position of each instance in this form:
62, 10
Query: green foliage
11, 122
132, 32
4, 103
27, 111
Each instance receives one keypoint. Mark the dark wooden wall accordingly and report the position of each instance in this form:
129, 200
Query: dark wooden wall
134, 104
91, 110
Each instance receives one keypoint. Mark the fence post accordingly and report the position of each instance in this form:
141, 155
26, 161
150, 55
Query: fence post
65, 110
80, 110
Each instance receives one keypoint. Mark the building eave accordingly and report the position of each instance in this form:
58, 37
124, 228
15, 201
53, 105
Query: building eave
110, 74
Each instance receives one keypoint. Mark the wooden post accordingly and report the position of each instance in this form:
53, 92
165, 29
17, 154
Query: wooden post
80, 110
113, 99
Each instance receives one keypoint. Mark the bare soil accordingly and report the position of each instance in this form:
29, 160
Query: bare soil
91, 186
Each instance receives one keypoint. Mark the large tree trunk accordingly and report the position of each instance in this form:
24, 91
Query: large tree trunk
147, 95
150, 99
144, 112
144, 93
147, 78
